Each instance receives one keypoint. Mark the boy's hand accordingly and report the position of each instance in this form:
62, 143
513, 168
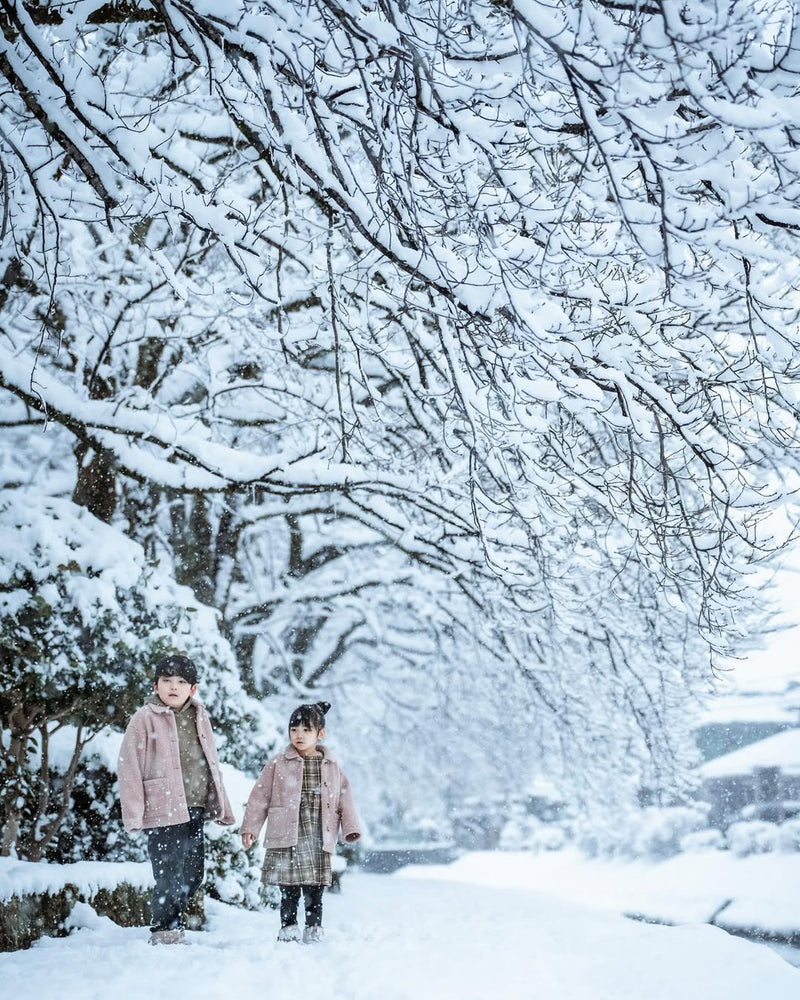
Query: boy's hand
248, 839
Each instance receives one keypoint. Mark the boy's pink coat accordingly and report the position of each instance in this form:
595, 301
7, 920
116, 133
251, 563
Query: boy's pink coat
149, 771
276, 799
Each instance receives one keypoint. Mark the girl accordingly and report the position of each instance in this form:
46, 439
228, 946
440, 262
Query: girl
304, 796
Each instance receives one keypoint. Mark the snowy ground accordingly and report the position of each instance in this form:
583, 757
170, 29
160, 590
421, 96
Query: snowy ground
759, 892
409, 937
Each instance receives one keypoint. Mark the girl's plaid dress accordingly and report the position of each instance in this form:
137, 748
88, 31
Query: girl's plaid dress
306, 863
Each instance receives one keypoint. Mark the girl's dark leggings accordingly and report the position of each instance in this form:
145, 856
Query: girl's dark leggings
312, 899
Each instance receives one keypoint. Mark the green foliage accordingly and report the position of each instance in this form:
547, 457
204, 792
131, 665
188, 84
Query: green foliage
82, 618
92, 829
233, 875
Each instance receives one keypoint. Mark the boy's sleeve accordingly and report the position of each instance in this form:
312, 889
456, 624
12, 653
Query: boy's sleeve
258, 802
348, 817
221, 810
129, 775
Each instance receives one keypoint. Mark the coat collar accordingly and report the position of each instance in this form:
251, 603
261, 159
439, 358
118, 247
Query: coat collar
155, 704
290, 753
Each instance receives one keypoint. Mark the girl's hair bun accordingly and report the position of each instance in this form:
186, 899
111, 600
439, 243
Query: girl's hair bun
312, 716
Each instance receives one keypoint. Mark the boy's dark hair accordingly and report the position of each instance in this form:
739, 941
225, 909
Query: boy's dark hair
312, 716
175, 665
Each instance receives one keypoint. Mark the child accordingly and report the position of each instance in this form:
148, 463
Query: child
304, 796
169, 784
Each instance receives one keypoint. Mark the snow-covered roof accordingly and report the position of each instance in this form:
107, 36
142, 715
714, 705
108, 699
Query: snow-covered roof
767, 707
781, 750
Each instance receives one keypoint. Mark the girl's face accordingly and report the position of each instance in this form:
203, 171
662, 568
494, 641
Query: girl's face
304, 739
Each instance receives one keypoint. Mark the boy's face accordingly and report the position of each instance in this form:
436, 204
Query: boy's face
174, 691
304, 739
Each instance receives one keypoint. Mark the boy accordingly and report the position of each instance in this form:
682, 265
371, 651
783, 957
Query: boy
169, 784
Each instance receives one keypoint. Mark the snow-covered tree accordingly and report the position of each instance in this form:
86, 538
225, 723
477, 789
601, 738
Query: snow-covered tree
445, 339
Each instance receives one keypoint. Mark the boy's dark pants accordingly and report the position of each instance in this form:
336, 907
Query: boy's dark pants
177, 855
312, 898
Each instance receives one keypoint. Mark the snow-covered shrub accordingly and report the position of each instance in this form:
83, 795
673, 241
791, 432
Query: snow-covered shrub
751, 837
654, 832
515, 835
93, 830
527, 833
92, 827
709, 839
83, 615
233, 875
789, 835
661, 829
477, 822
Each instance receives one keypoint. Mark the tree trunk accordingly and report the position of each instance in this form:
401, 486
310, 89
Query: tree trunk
96, 487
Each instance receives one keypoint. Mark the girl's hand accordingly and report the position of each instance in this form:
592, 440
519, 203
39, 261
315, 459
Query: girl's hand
248, 839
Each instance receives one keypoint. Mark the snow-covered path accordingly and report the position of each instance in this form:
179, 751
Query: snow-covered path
407, 939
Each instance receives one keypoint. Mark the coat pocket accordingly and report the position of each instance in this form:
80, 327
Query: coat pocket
277, 831
155, 797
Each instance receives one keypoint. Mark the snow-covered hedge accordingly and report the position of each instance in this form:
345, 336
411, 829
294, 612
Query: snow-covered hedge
789, 836
527, 833
708, 839
37, 899
747, 837
752, 837
657, 833
654, 832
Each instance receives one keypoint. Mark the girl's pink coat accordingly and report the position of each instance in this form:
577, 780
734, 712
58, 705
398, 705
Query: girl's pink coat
149, 771
276, 799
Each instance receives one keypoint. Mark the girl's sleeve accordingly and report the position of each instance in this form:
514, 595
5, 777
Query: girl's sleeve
258, 802
348, 817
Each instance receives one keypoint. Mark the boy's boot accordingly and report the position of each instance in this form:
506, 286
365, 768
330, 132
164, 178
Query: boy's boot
289, 933
312, 934
167, 937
